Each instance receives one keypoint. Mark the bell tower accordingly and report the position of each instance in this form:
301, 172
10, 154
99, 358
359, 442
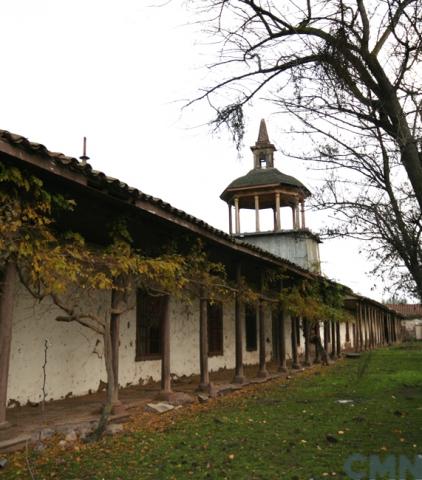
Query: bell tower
265, 187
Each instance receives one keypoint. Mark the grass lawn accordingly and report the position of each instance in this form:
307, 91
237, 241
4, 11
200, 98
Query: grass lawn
286, 429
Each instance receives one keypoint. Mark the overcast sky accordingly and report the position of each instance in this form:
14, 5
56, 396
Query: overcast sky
119, 73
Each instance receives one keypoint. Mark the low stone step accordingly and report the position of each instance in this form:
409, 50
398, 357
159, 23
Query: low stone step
15, 443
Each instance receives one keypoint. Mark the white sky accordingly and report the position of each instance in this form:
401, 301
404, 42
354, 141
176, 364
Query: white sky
118, 73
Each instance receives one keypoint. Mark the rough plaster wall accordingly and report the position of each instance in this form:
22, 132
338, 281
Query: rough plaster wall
72, 366
75, 363
184, 346
75, 354
301, 250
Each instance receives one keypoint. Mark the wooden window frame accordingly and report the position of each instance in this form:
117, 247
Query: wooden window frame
249, 309
215, 308
140, 356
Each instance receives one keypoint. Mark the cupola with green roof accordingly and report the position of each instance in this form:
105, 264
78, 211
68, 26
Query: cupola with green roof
265, 187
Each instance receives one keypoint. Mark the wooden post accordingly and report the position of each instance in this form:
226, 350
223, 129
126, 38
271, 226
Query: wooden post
282, 367
294, 217
333, 340
356, 330
237, 215
338, 340
306, 333
317, 333
7, 298
365, 324
347, 332
326, 336
262, 373
230, 219
295, 363
302, 211
277, 212
256, 213
166, 390
116, 299
239, 376
204, 382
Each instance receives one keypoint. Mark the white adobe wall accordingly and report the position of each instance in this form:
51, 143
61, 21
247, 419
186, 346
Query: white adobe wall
75, 364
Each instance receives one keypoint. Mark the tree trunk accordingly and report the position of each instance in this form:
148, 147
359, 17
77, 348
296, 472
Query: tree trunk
8, 285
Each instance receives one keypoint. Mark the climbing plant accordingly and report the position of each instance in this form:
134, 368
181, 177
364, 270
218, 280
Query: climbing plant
316, 300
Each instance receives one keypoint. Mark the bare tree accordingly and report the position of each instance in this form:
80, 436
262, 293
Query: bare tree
348, 71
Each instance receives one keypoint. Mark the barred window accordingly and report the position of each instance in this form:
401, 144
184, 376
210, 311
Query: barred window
150, 311
215, 329
251, 328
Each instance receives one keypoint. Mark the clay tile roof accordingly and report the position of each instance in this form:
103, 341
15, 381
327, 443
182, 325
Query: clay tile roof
258, 177
411, 310
116, 186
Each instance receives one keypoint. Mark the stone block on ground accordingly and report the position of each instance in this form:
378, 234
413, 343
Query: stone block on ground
71, 436
180, 398
203, 398
46, 433
160, 407
226, 389
114, 428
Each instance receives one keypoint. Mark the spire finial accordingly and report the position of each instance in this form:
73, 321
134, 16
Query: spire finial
84, 158
263, 134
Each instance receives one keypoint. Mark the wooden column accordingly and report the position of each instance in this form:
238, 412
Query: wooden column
166, 390
256, 213
277, 213
302, 211
338, 340
294, 217
116, 300
262, 373
361, 324
306, 333
365, 326
356, 336
282, 367
239, 376
326, 336
295, 363
230, 219
347, 332
317, 333
297, 217
204, 382
333, 340
7, 298
237, 215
